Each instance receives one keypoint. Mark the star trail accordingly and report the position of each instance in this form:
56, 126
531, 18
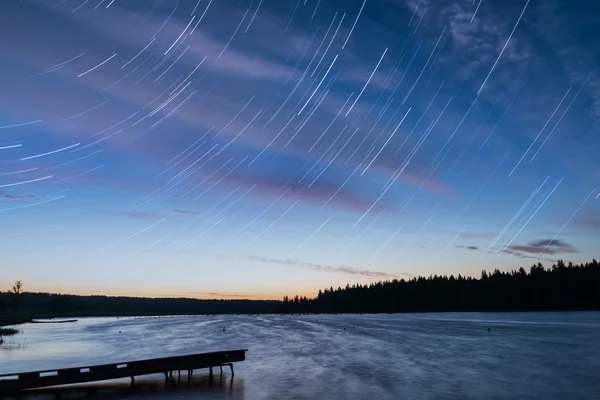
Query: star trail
266, 147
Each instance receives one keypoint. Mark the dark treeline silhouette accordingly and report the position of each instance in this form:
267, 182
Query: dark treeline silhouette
41, 305
559, 288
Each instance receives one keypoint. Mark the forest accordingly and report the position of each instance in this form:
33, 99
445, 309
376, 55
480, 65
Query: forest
560, 287
47, 305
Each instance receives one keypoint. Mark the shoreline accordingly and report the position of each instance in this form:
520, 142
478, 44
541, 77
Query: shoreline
13, 322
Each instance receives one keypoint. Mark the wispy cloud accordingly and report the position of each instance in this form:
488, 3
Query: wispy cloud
237, 61
8, 196
544, 36
184, 212
526, 256
316, 194
477, 40
554, 25
341, 269
468, 247
201, 42
545, 246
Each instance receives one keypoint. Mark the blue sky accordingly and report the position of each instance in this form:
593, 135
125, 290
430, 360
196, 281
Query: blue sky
261, 148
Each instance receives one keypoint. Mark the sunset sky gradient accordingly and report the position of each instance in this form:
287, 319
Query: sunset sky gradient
228, 149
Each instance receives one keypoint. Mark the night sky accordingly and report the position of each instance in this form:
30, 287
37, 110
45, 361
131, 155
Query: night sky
237, 148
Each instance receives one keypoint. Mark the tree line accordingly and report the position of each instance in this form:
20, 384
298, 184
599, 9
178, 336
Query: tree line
561, 287
46, 305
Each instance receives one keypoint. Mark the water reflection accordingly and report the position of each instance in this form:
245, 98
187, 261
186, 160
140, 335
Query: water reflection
149, 387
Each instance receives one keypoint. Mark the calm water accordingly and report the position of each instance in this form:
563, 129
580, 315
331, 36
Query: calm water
424, 356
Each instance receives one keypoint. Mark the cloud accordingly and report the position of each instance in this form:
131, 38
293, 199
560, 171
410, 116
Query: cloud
526, 256
468, 247
219, 106
479, 40
418, 176
4, 195
545, 246
184, 212
202, 43
545, 35
272, 186
554, 26
341, 269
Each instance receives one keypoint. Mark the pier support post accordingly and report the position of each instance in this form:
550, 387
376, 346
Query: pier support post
221, 368
231, 366
166, 376
211, 372
132, 380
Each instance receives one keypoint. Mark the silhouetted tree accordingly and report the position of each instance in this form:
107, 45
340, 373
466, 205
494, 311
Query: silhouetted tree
561, 287
16, 291
17, 288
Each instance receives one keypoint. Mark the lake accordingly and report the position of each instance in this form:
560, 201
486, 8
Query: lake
401, 356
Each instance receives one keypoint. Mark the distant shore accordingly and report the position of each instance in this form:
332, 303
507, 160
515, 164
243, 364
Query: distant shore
46, 320
10, 321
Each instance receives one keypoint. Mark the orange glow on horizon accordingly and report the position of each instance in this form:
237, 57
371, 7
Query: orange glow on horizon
183, 294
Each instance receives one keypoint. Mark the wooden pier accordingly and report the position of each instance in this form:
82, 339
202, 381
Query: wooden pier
17, 382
